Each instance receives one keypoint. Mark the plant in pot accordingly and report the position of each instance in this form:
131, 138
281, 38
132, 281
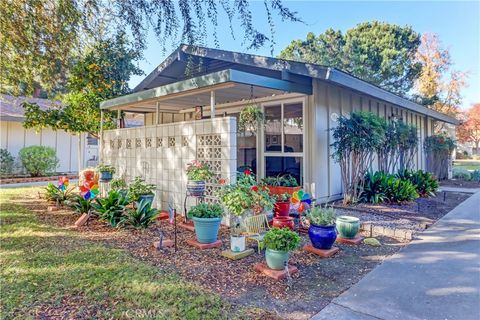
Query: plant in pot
250, 119
206, 220
120, 185
322, 231
282, 184
197, 173
140, 190
106, 172
278, 244
282, 205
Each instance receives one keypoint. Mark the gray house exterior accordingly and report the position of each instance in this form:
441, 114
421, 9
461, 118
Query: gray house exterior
191, 101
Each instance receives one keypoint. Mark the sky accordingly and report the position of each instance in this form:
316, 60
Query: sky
457, 24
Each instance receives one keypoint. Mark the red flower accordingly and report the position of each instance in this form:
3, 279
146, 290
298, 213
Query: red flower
254, 188
221, 181
247, 172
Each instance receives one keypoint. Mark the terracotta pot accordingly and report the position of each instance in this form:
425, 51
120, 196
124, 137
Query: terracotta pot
282, 190
281, 208
283, 222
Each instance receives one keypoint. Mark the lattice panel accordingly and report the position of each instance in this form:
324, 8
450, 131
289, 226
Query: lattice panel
129, 143
138, 143
171, 141
160, 142
119, 143
148, 142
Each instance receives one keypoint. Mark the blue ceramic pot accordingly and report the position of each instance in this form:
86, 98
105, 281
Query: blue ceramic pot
276, 260
146, 197
106, 176
196, 188
206, 229
322, 237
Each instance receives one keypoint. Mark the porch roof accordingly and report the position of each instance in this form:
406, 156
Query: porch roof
229, 85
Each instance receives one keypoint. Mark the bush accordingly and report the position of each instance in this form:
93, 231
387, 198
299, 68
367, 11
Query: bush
206, 210
400, 190
111, 208
79, 204
382, 187
39, 160
475, 175
141, 217
6, 162
54, 194
461, 175
424, 182
282, 239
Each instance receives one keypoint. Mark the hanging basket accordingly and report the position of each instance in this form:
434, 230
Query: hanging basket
196, 188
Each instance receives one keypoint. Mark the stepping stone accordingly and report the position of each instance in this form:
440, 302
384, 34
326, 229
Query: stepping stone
237, 255
275, 274
82, 220
204, 246
165, 243
52, 208
187, 226
324, 253
355, 241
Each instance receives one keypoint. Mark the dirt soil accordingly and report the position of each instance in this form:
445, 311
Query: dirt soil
307, 292
460, 183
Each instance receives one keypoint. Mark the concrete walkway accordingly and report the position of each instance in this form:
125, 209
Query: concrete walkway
459, 189
434, 277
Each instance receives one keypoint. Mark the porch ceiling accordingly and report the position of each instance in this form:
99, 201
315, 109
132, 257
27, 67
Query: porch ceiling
229, 86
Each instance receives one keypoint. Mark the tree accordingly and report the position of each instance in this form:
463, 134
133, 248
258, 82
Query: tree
34, 33
432, 88
102, 74
469, 129
377, 52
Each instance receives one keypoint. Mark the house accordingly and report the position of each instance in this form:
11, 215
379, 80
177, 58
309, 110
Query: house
14, 136
191, 103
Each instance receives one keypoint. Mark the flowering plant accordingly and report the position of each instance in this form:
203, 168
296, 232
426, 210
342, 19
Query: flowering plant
198, 171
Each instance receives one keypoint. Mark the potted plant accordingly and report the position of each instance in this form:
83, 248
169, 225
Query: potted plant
251, 117
106, 172
278, 244
237, 238
120, 185
206, 220
283, 222
322, 231
139, 190
282, 205
282, 184
347, 226
197, 173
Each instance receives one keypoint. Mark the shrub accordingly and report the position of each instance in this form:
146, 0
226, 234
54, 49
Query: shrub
38, 160
206, 210
111, 208
282, 239
138, 188
398, 190
6, 162
118, 184
475, 175
424, 182
54, 194
322, 216
374, 187
141, 217
461, 175
79, 204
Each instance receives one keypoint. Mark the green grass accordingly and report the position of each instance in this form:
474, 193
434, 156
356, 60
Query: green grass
47, 270
467, 165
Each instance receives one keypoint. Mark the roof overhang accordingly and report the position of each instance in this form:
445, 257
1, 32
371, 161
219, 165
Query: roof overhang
235, 85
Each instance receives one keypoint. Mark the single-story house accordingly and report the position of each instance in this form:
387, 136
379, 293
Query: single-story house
191, 103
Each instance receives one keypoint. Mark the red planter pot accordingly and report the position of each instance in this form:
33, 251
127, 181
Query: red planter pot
283, 222
281, 190
281, 208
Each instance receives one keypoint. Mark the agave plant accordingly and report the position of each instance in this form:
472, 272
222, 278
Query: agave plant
374, 187
111, 208
140, 217
79, 204
54, 194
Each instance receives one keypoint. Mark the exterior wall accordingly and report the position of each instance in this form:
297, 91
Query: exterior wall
14, 137
160, 154
329, 101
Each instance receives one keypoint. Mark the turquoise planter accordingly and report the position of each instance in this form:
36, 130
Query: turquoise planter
276, 260
146, 197
206, 229
348, 226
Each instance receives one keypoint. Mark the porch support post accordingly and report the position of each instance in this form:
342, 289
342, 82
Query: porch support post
119, 114
212, 104
100, 143
157, 114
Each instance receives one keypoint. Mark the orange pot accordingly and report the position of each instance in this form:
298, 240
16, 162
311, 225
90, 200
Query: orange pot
282, 190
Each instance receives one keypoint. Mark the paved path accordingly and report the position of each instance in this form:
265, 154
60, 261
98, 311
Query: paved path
436, 277
459, 189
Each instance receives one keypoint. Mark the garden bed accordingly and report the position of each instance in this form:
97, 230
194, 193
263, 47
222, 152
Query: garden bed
460, 183
27, 179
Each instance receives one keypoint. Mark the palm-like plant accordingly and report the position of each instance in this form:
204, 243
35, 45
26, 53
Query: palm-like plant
111, 208
141, 217
79, 204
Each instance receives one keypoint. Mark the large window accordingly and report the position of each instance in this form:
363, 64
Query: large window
283, 140
246, 150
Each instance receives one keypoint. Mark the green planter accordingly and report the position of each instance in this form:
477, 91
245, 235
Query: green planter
206, 229
276, 260
348, 226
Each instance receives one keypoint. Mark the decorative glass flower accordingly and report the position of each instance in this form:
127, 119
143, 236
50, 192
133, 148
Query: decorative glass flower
89, 190
301, 201
63, 183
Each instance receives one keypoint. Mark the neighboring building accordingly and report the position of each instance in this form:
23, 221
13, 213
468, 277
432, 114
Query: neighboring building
301, 103
14, 136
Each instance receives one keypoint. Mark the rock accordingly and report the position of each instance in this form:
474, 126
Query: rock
372, 242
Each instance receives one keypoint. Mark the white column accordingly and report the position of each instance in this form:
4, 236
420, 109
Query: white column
100, 140
212, 104
157, 114
119, 114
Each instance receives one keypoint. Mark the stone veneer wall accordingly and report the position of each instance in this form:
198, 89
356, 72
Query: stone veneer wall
160, 154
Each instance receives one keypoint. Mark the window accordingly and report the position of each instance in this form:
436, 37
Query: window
246, 150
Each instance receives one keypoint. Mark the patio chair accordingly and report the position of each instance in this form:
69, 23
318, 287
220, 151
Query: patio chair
255, 228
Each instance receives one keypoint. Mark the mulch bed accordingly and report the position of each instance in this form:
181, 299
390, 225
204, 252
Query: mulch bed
307, 292
27, 179
460, 183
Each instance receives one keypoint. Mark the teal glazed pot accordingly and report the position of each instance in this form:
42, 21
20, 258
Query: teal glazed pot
206, 229
276, 260
348, 226
106, 176
146, 197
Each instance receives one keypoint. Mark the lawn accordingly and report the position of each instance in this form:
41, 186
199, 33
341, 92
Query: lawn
467, 165
50, 272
